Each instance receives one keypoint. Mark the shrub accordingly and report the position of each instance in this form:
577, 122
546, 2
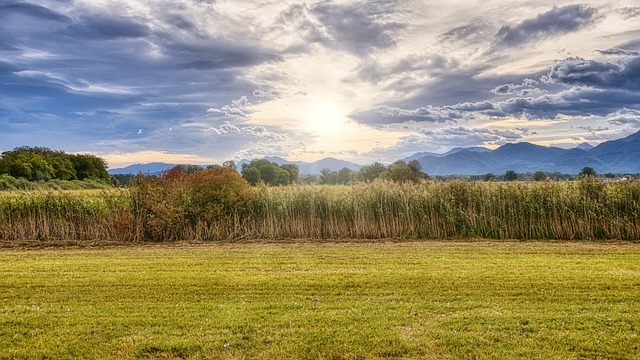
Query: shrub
179, 203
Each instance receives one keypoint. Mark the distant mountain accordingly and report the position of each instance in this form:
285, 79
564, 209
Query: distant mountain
617, 156
154, 168
584, 146
420, 155
327, 163
310, 167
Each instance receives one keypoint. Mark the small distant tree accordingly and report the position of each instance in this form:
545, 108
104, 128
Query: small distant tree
610, 175
510, 175
371, 172
229, 164
489, 177
539, 176
293, 170
587, 172
328, 177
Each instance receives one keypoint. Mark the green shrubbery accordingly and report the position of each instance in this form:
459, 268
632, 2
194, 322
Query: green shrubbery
179, 204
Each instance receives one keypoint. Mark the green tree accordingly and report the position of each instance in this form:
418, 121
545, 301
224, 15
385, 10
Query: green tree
489, 177
90, 167
264, 170
510, 175
371, 172
400, 171
328, 177
539, 176
293, 170
587, 172
251, 174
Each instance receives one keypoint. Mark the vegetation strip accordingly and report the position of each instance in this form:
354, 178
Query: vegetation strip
431, 300
218, 205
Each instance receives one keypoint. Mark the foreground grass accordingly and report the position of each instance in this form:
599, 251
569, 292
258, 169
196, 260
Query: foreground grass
434, 300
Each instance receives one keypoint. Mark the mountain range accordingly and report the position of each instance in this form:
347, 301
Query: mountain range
616, 156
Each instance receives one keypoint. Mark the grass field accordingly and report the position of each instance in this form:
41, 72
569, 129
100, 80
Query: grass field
431, 300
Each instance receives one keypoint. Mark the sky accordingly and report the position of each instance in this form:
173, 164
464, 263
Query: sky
202, 82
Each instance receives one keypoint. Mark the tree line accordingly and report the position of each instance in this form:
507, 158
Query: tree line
270, 173
44, 164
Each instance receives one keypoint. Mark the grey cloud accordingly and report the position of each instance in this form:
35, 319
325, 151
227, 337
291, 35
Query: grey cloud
436, 114
623, 73
360, 28
618, 51
528, 87
485, 135
577, 101
31, 10
625, 117
629, 12
557, 21
574, 87
474, 31
390, 115
104, 27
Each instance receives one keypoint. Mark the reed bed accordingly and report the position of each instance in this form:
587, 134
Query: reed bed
580, 210
67, 215
565, 210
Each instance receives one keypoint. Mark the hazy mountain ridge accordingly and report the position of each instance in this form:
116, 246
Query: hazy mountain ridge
616, 156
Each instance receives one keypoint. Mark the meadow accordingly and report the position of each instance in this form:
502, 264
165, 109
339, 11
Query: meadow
193, 210
324, 300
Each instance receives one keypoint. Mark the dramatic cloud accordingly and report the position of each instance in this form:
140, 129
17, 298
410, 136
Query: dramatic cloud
364, 80
359, 28
389, 115
557, 21
623, 73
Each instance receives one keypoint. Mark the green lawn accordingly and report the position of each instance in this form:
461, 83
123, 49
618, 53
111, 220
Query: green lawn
431, 300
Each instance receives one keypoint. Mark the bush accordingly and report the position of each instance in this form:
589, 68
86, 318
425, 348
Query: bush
179, 203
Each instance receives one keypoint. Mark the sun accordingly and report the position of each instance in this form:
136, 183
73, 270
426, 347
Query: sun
324, 116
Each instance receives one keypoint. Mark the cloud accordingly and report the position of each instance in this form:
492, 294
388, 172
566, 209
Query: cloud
390, 115
435, 114
105, 27
528, 87
31, 10
557, 21
620, 73
238, 108
625, 117
618, 51
475, 31
629, 12
360, 28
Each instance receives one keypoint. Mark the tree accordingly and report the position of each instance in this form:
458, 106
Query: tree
400, 171
539, 176
293, 170
251, 174
587, 172
43, 164
229, 164
268, 172
328, 177
371, 172
489, 177
510, 175
344, 176
90, 167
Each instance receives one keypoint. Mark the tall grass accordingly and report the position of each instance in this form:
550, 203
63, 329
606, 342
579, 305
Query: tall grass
579, 210
566, 210
67, 215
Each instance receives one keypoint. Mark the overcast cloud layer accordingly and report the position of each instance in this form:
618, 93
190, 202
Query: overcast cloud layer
207, 81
